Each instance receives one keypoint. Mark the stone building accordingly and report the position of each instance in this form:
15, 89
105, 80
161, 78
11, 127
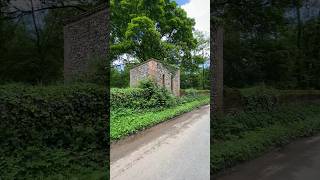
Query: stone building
85, 40
164, 75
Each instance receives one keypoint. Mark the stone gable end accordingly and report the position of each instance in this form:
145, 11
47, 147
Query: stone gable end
156, 71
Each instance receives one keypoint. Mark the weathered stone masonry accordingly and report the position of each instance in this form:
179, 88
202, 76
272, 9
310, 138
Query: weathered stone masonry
85, 38
159, 73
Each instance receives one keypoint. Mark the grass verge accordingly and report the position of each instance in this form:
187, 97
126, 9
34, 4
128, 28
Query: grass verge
126, 122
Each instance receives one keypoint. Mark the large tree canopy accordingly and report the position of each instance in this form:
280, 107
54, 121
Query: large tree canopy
157, 28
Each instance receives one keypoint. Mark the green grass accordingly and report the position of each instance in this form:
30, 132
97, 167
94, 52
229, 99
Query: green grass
126, 122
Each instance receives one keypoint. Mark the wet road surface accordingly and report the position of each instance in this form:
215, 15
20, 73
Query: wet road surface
178, 149
299, 160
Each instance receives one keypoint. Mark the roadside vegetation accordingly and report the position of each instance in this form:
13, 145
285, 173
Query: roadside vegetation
265, 121
134, 109
53, 132
271, 43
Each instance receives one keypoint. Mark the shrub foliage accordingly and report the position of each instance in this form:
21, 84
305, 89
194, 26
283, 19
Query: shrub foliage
268, 117
134, 109
51, 119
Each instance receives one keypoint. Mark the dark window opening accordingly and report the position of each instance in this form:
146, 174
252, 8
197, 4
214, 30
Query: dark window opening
171, 84
163, 81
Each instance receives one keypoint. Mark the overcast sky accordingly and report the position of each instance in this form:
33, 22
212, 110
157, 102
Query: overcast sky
199, 10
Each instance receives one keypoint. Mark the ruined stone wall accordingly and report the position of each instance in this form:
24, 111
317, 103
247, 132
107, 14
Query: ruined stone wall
176, 83
170, 78
163, 72
138, 73
159, 73
85, 39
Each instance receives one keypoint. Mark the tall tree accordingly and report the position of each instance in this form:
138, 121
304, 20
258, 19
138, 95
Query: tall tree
167, 23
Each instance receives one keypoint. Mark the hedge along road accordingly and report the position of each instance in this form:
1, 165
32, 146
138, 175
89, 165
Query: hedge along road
178, 149
299, 160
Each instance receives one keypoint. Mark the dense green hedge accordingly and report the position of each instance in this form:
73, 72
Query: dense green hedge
56, 118
150, 97
187, 92
264, 98
129, 97
263, 117
245, 135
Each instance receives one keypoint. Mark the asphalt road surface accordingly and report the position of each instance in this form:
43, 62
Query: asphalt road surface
299, 160
178, 149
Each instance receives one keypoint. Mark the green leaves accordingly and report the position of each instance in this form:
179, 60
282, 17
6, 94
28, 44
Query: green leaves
253, 143
245, 135
134, 109
145, 39
52, 130
142, 28
125, 122
146, 97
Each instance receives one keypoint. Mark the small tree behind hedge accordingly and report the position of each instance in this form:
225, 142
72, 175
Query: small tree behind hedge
157, 96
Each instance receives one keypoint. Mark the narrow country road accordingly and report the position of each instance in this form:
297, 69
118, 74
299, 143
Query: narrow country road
299, 160
178, 149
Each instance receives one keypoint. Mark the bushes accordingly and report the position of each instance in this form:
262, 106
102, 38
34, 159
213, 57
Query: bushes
149, 96
193, 92
235, 124
134, 109
267, 117
245, 135
253, 143
125, 98
138, 98
262, 98
251, 99
156, 97
53, 118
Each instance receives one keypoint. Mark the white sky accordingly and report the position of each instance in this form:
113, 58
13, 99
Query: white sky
200, 11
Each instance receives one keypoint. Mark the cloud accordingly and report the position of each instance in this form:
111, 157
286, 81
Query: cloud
200, 11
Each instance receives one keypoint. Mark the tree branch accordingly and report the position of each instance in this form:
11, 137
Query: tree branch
20, 12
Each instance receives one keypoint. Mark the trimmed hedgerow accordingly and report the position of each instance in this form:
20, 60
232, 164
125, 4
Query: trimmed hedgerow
129, 97
246, 135
66, 123
148, 95
261, 98
193, 92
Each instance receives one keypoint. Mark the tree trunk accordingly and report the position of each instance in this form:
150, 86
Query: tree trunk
216, 68
299, 23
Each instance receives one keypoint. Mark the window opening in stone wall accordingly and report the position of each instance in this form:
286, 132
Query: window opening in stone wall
171, 83
163, 83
